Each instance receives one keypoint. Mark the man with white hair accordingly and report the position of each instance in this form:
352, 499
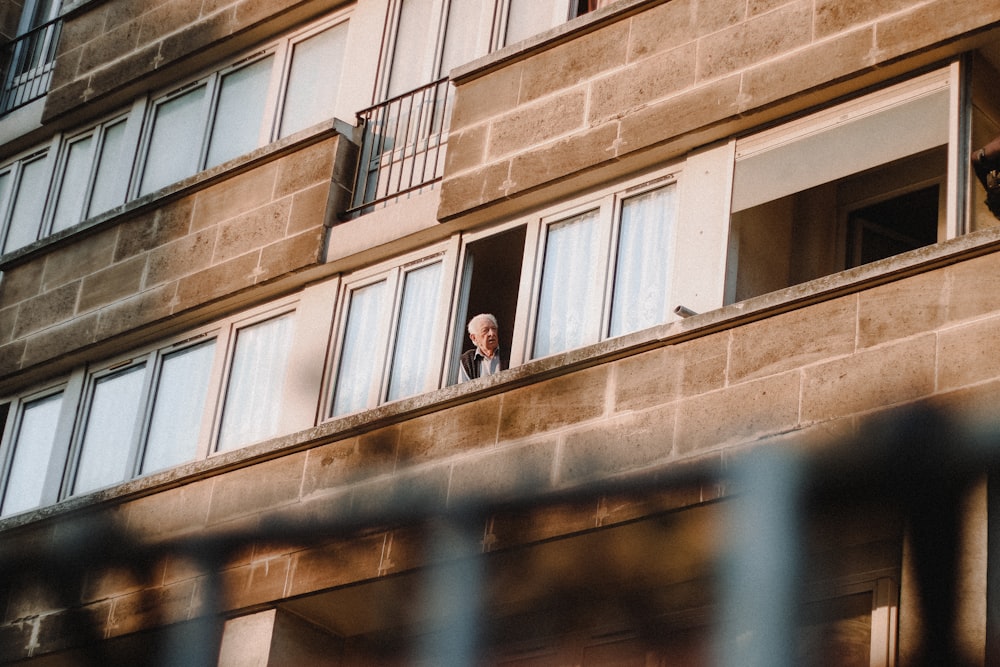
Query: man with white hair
484, 358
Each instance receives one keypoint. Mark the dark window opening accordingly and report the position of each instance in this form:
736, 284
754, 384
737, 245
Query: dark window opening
893, 226
492, 277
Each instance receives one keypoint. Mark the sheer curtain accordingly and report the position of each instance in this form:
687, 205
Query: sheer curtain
29, 202
358, 359
314, 79
178, 407
569, 300
641, 271
110, 429
412, 363
173, 153
256, 382
239, 111
32, 455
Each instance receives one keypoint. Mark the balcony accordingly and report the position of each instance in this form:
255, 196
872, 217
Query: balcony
402, 149
26, 64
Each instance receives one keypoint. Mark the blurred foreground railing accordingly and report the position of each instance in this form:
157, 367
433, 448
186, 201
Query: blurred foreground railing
918, 463
402, 147
26, 65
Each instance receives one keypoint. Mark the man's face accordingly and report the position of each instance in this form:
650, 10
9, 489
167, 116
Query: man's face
485, 336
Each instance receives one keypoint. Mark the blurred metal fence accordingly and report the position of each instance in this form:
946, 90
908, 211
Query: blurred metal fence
402, 146
917, 461
26, 65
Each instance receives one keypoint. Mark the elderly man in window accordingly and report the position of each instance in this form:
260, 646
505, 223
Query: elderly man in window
484, 358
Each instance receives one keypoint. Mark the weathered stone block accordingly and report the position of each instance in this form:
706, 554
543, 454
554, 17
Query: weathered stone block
537, 123
217, 281
466, 148
151, 607
444, 433
234, 196
833, 16
973, 287
55, 340
618, 445
256, 488
737, 414
338, 463
171, 512
968, 355
793, 339
565, 156
287, 255
116, 282
654, 78
309, 208
760, 38
902, 308
47, 309
662, 28
21, 282
257, 583
341, 562
466, 191
503, 474
509, 528
183, 257
668, 373
875, 378
552, 404
574, 62
252, 230
72, 262
143, 308
485, 97
305, 167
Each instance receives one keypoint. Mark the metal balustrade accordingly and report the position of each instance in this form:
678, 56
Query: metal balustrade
916, 462
403, 146
26, 65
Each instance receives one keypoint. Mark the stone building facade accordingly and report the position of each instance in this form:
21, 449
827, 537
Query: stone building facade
241, 242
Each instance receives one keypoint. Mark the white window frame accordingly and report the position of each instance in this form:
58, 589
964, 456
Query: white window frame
608, 203
8, 200
382, 341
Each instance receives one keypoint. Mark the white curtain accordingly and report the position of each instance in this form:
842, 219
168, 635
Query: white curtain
359, 357
256, 382
175, 143
178, 406
109, 184
32, 455
239, 112
641, 272
110, 429
74, 182
569, 300
314, 79
412, 363
29, 202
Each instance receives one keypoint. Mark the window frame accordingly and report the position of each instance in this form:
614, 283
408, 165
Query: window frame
394, 275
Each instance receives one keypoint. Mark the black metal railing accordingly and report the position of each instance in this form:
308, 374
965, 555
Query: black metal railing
26, 65
403, 146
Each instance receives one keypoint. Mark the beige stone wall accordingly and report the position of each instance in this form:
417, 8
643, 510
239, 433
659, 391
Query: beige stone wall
674, 69
176, 254
807, 377
110, 46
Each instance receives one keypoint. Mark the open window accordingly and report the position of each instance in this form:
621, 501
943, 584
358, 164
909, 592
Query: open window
846, 186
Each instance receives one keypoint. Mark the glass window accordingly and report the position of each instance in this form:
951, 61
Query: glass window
530, 17
175, 140
256, 381
852, 184
569, 298
179, 400
34, 444
113, 165
29, 202
642, 269
412, 369
73, 183
313, 79
359, 362
239, 111
110, 429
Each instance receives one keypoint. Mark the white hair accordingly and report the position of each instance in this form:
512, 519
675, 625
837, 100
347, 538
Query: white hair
474, 329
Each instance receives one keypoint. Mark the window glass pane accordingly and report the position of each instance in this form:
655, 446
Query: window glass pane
467, 34
313, 80
530, 17
178, 407
32, 454
110, 184
358, 360
641, 271
107, 440
73, 188
175, 142
411, 58
29, 200
412, 365
240, 112
570, 297
256, 381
